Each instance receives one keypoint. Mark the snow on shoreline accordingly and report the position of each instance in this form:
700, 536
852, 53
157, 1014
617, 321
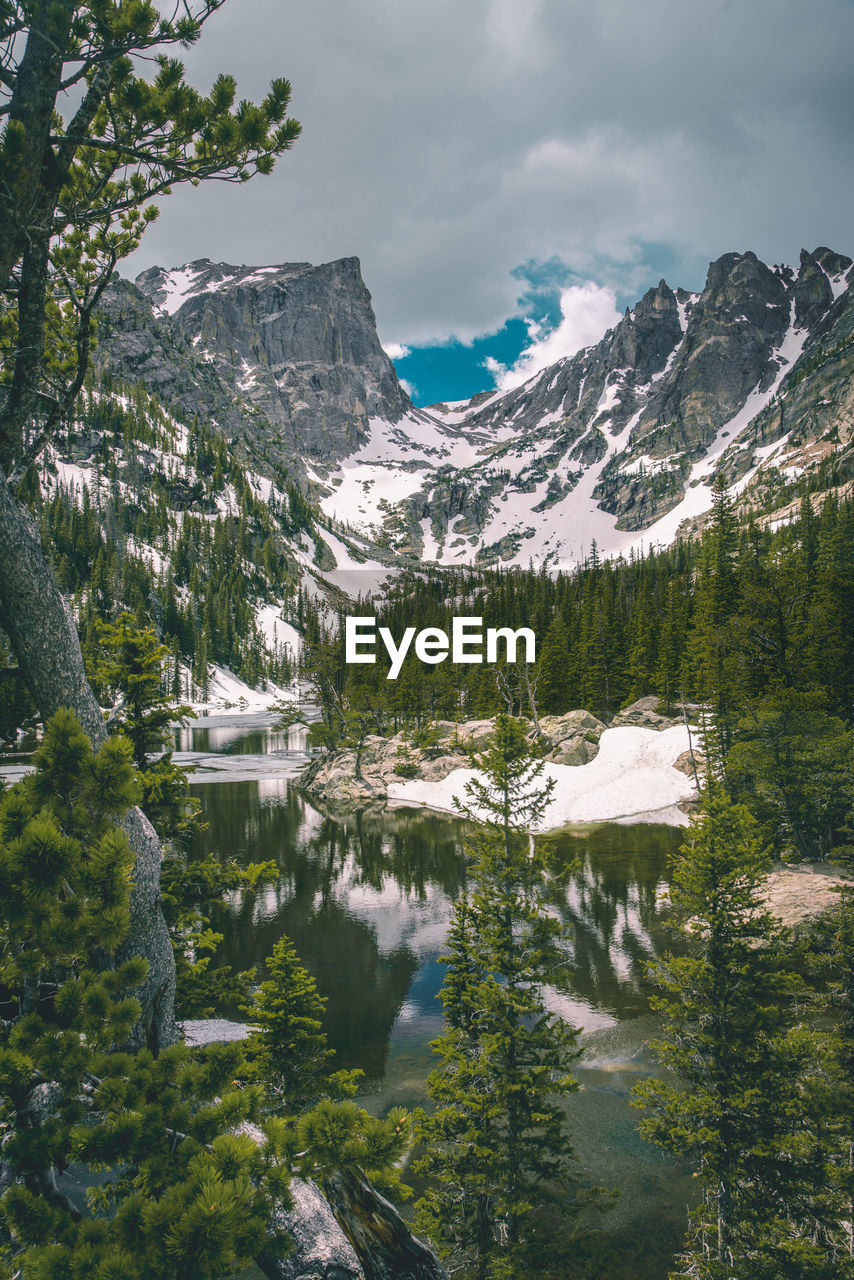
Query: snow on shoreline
631, 779
632, 776
228, 694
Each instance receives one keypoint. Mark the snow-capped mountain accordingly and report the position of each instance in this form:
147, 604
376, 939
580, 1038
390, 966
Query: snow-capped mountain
619, 443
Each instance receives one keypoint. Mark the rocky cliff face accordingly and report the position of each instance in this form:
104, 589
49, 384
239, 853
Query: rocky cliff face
284, 359
619, 443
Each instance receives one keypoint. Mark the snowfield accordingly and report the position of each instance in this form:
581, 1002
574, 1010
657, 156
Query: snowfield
227, 692
632, 775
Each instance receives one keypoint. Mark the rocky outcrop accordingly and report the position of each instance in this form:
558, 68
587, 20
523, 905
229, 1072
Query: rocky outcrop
363, 776
320, 1251
348, 777
798, 894
297, 343
646, 714
358, 778
573, 738
285, 360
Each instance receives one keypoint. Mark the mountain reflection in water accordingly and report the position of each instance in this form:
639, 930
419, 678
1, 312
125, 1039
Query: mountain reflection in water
367, 897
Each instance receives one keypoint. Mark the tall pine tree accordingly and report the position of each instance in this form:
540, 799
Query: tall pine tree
504, 1191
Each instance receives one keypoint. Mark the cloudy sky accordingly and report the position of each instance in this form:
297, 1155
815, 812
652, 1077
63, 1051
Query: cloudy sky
513, 173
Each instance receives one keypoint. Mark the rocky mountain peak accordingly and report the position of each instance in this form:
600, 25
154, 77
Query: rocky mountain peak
292, 348
619, 442
645, 338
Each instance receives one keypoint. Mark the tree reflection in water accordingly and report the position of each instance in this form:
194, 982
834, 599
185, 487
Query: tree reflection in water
366, 898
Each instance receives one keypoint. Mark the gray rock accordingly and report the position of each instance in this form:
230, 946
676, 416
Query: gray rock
573, 737
442, 766
574, 751
321, 1251
557, 729
645, 714
298, 343
198, 1031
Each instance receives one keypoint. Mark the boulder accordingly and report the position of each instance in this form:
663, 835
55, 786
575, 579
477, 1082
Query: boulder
442, 766
574, 751
573, 738
557, 729
645, 714
686, 765
475, 733
321, 1251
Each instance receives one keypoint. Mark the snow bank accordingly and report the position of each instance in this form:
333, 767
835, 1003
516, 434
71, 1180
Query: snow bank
226, 691
632, 774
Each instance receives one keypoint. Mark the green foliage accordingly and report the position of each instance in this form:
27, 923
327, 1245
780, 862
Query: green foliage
129, 665
553, 669
793, 765
129, 669
93, 160
756, 1092
504, 1192
342, 1136
288, 1045
183, 1194
287, 1050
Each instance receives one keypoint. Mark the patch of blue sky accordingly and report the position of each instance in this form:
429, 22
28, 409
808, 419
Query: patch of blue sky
453, 370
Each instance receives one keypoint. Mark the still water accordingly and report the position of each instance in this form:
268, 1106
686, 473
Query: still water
366, 898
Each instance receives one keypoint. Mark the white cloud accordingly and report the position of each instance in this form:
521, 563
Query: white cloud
395, 350
587, 311
408, 387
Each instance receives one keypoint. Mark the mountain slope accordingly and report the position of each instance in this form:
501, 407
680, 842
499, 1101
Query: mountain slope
620, 443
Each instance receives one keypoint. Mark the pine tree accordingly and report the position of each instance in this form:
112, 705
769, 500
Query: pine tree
730, 1036
129, 668
288, 1044
184, 1195
553, 677
793, 764
715, 661
498, 1149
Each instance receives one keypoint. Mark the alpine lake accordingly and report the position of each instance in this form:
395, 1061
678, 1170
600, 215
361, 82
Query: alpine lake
366, 897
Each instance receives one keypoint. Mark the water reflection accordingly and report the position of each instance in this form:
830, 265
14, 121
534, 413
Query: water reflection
241, 735
613, 907
367, 899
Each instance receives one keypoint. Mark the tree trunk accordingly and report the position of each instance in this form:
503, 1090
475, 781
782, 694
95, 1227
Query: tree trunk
384, 1245
36, 617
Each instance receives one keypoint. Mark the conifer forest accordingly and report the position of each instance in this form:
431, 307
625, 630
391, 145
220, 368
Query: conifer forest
320, 962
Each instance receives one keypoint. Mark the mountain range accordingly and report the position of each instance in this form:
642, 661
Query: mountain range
619, 443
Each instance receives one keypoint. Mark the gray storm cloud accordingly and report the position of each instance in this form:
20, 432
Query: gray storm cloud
445, 144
